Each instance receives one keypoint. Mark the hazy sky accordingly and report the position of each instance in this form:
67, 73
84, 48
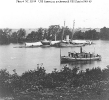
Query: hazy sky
35, 15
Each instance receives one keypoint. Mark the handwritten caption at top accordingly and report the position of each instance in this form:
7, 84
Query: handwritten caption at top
53, 1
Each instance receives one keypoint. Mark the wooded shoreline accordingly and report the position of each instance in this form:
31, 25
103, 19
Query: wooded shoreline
54, 31
66, 84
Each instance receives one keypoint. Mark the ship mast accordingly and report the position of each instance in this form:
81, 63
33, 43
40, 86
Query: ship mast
73, 30
55, 37
63, 31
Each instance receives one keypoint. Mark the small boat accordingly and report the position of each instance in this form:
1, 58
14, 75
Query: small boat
82, 56
46, 42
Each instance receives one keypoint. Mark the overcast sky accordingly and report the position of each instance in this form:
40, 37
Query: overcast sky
35, 15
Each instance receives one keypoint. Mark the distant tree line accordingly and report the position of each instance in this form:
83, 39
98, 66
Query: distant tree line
52, 33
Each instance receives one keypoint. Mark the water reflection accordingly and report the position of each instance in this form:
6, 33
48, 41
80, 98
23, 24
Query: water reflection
80, 64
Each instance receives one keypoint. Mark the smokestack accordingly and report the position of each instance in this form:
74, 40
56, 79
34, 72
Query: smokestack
81, 49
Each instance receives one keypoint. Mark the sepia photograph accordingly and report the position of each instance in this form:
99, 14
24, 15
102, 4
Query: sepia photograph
54, 50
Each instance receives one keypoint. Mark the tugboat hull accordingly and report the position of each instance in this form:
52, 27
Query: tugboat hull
72, 59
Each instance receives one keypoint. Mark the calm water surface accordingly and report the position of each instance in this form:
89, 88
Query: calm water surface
23, 59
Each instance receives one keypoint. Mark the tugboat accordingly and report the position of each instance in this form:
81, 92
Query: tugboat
82, 56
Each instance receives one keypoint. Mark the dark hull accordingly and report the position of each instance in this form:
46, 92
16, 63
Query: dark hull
45, 43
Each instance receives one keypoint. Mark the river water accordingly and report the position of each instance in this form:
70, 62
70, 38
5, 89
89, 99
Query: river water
24, 59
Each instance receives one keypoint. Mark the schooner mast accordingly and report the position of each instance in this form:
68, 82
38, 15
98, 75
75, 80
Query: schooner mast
73, 30
63, 31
